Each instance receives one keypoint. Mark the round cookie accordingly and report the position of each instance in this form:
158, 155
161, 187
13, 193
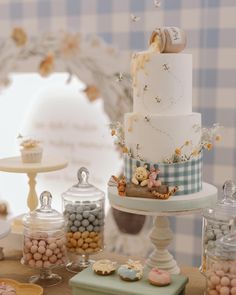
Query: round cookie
159, 277
131, 271
104, 267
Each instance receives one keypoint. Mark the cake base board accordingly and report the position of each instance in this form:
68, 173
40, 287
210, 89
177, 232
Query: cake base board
88, 283
207, 197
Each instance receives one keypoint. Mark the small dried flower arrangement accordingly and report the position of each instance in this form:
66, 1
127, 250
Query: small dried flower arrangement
90, 59
187, 151
117, 130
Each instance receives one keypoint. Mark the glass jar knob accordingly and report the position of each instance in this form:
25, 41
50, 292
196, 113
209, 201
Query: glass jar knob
45, 201
83, 175
229, 190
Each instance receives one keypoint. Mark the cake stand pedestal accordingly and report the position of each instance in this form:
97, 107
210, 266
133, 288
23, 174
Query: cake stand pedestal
161, 234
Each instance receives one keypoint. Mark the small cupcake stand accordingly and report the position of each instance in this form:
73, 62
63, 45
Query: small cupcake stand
15, 165
161, 234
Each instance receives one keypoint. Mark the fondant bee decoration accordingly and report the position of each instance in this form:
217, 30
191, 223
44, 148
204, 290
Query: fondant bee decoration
157, 98
165, 67
134, 18
120, 77
145, 88
157, 3
147, 118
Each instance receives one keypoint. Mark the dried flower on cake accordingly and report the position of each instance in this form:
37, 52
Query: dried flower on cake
118, 131
188, 151
92, 92
47, 65
19, 36
178, 152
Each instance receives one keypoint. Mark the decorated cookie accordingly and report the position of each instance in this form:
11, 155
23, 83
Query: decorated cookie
104, 267
159, 277
132, 271
7, 289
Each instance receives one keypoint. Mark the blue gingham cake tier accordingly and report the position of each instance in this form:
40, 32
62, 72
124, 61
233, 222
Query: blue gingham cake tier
186, 175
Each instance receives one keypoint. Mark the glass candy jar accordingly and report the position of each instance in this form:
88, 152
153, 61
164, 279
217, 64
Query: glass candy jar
44, 242
84, 214
221, 267
218, 221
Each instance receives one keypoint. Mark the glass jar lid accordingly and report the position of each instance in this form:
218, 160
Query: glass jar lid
83, 190
225, 210
225, 247
45, 217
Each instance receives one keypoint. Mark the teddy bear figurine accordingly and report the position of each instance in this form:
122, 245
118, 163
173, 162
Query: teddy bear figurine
140, 176
153, 178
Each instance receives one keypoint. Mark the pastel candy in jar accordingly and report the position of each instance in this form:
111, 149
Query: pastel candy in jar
219, 221
84, 214
221, 267
44, 243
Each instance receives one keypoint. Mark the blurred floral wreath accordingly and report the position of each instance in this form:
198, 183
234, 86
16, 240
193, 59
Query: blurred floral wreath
98, 65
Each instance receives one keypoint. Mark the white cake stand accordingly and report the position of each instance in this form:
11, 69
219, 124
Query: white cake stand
161, 234
48, 164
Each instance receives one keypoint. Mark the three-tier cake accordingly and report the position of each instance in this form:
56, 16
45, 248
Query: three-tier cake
162, 139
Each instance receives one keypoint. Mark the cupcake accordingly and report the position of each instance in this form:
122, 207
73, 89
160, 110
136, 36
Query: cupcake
104, 267
6, 289
131, 271
159, 277
31, 151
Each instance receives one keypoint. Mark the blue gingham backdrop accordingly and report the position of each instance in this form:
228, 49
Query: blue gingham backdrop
211, 29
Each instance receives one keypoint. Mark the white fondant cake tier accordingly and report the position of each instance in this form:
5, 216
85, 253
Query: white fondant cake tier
207, 197
154, 137
162, 83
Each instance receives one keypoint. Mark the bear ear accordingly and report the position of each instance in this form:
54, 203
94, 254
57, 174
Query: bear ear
145, 166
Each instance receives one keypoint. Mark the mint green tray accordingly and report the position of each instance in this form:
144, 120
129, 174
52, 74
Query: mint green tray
88, 283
